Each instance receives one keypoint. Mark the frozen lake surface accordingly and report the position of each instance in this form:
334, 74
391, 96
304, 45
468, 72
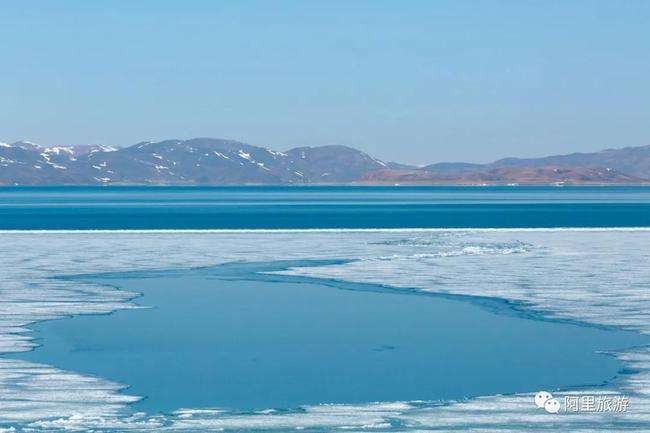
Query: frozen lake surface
231, 337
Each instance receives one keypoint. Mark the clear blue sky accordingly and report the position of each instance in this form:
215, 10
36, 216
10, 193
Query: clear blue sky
413, 81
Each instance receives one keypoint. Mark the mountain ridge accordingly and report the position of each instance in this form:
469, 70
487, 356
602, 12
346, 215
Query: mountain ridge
213, 161
175, 161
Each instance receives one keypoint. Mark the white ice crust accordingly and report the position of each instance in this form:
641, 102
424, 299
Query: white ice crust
599, 277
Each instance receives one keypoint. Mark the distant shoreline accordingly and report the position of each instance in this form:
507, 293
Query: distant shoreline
213, 161
351, 184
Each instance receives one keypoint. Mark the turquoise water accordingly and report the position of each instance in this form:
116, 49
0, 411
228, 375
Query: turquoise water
292, 207
231, 337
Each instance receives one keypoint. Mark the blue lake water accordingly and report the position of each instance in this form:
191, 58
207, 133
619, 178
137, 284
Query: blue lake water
230, 337
292, 207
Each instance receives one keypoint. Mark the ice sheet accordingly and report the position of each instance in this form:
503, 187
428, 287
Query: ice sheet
600, 277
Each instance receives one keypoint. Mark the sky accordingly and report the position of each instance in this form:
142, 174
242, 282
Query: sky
408, 81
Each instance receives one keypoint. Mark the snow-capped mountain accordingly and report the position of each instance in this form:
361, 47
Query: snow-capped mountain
211, 161
195, 161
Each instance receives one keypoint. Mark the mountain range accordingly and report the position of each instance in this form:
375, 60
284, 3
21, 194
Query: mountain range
212, 161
